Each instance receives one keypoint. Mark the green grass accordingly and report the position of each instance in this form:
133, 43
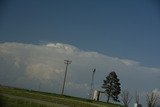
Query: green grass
10, 102
49, 97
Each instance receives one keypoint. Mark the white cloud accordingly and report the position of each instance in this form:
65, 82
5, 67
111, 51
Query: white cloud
129, 62
28, 66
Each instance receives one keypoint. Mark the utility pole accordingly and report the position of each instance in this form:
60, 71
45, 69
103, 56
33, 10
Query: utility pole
92, 85
67, 62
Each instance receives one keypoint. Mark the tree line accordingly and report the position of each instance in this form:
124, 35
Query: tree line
113, 90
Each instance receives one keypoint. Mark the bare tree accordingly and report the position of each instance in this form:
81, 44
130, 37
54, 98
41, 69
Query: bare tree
126, 98
137, 97
152, 99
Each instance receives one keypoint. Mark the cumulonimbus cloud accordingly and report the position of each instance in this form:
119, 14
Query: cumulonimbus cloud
42, 67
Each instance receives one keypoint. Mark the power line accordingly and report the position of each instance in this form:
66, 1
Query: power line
67, 62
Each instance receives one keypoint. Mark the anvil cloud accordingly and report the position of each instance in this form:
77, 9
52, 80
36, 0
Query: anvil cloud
41, 67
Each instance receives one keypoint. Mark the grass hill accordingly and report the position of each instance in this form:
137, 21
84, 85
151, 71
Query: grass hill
16, 97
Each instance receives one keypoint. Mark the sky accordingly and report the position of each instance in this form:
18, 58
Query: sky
103, 34
126, 29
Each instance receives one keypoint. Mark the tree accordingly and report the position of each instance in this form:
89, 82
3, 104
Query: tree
112, 86
152, 99
126, 98
137, 97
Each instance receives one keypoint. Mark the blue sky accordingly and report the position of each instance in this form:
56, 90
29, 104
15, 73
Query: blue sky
126, 29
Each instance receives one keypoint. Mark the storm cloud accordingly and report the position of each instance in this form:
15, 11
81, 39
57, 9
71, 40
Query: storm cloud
41, 67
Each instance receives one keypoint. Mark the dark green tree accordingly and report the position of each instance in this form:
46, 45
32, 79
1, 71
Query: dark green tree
112, 86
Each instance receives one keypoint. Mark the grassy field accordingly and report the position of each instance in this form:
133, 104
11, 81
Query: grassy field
15, 97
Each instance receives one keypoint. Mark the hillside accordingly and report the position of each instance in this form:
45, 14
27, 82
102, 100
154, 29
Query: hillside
16, 97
